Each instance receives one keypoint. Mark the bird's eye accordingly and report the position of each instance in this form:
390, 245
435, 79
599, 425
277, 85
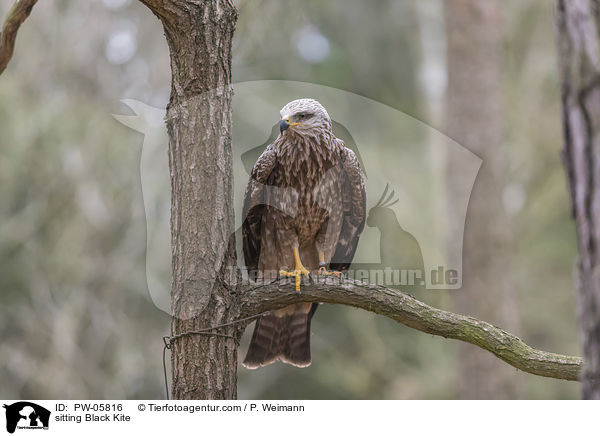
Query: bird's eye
304, 116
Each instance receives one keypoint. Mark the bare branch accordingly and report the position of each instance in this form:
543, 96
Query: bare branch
407, 310
163, 9
16, 16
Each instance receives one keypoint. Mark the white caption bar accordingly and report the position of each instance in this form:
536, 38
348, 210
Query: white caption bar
43, 418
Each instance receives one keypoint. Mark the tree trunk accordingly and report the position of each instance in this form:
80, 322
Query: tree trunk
579, 54
199, 36
475, 120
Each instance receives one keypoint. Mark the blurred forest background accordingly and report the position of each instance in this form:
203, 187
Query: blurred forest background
75, 316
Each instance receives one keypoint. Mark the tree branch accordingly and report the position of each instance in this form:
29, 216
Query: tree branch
164, 10
407, 310
16, 16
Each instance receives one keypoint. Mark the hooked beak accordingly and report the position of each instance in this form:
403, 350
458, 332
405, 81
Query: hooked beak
285, 124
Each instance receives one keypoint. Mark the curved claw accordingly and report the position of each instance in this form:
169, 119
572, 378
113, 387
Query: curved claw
324, 271
297, 273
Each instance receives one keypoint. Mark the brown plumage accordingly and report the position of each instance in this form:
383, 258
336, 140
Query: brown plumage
305, 192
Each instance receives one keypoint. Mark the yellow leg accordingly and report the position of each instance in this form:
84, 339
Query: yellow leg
298, 272
323, 267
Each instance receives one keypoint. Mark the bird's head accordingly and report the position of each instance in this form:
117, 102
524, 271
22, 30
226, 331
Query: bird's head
304, 116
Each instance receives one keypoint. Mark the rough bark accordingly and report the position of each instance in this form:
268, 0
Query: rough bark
199, 36
475, 120
413, 313
579, 53
15, 17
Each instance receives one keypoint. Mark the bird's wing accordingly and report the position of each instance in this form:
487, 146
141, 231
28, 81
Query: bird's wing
254, 205
354, 200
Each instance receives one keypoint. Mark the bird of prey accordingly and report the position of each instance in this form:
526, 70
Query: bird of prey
303, 212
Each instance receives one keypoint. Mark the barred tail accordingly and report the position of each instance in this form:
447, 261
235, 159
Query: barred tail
283, 335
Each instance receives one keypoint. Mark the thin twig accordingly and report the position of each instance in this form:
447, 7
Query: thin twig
17, 14
207, 330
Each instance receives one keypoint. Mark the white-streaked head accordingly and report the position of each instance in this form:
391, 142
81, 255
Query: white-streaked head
304, 116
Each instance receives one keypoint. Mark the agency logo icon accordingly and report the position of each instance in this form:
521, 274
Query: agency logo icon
26, 415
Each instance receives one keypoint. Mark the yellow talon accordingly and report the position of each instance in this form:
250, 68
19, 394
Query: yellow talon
298, 272
324, 271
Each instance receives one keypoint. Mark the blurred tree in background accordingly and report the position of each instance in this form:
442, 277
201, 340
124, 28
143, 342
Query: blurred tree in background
475, 32
75, 314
